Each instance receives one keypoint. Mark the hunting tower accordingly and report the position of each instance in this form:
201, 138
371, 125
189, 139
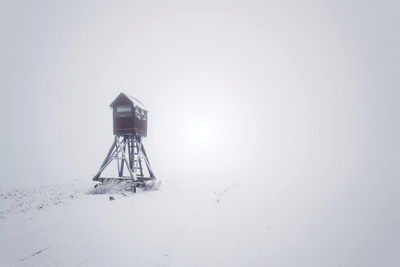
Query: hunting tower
130, 127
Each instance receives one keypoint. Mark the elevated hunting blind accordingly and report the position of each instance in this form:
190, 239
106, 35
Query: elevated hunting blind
130, 126
129, 116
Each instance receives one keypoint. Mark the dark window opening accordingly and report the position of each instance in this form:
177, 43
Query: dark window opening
124, 111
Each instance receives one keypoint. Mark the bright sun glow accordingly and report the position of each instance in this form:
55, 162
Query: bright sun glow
200, 133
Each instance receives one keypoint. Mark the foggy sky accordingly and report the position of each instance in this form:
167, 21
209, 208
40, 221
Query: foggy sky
290, 87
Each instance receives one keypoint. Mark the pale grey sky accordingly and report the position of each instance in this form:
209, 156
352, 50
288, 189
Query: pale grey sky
290, 88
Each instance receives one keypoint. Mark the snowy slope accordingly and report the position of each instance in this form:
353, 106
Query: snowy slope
187, 222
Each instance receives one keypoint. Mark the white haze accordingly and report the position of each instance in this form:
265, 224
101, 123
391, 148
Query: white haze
301, 95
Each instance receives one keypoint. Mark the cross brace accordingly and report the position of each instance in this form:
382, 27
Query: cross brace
129, 152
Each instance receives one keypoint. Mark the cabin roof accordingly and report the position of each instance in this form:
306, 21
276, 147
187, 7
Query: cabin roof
134, 101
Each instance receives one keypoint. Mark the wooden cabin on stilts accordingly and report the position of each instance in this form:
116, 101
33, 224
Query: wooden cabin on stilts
127, 150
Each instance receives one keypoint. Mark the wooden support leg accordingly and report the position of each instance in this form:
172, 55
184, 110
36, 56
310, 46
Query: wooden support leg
130, 151
140, 166
121, 168
147, 161
106, 160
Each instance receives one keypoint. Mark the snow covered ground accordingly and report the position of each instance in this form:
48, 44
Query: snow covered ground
187, 222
